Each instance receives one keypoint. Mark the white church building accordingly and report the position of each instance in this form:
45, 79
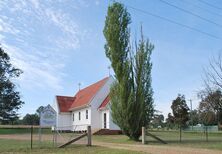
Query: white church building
89, 106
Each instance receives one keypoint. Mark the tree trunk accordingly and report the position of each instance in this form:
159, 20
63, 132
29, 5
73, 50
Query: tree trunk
180, 133
206, 133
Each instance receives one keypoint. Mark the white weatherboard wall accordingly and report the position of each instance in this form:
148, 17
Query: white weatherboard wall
63, 119
83, 122
96, 102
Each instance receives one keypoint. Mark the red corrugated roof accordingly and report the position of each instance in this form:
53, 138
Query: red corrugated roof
84, 96
105, 102
64, 103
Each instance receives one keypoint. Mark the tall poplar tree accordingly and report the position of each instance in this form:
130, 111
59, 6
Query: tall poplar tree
9, 98
131, 94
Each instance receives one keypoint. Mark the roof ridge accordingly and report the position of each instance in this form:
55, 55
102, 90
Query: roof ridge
99, 89
104, 80
93, 84
64, 96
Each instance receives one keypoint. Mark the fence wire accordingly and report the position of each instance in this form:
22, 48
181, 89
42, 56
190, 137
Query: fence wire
21, 136
173, 136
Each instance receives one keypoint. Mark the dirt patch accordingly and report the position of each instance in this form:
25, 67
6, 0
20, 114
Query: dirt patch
45, 137
26, 137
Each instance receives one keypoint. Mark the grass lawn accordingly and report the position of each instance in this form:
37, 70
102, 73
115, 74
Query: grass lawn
189, 139
14, 146
5, 131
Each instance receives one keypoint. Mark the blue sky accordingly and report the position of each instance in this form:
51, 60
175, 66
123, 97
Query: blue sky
60, 43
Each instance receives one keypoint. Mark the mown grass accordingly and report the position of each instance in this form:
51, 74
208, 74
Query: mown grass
189, 139
19, 147
173, 136
6, 131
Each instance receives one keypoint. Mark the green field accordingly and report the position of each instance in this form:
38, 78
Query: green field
23, 130
19, 147
189, 139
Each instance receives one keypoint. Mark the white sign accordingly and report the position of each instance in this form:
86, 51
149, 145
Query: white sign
48, 117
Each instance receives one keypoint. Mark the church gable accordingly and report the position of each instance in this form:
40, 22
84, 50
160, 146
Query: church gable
82, 97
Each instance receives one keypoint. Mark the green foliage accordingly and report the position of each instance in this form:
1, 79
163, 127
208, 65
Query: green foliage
10, 100
157, 121
131, 94
207, 115
210, 106
194, 117
170, 121
39, 110
180, 110
31, 119
117, 34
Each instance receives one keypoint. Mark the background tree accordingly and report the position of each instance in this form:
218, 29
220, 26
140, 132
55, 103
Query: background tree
10, 100
211, 102
131, 94
207, 115
31, 119
195, 117
213, 84
170, 121
180, 111
213, 73
39, 110
158, 121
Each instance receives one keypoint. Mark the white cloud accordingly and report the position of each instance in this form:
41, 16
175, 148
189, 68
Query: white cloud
39, 54
35, 3
37, 73
62, 20
97, 2
7, 27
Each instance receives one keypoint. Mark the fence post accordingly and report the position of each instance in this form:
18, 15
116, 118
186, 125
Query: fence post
40, 134
31, 135
143, 135
206, 133
89, 136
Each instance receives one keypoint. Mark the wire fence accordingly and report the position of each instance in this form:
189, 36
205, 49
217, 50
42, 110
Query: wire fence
66, 134
174, 136
25, 136
35, 137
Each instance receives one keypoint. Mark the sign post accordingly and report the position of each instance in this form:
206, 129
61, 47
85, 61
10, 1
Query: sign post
47, 119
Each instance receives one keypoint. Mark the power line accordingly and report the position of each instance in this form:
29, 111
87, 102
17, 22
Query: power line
174, 22
191, 13
202, 8
211, 5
